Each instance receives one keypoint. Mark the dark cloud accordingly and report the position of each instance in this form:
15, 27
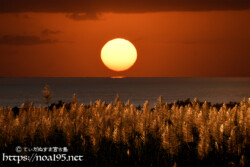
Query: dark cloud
24, 40
18, 15
121, 6
86, 16
50, 32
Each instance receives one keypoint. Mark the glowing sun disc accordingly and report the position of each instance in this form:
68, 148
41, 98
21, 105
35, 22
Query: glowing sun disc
118, 54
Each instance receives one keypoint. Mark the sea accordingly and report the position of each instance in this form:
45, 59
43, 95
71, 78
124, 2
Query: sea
15, 91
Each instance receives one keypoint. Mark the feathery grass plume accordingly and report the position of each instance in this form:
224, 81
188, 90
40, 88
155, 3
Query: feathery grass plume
146, 119
115, 135
117, 98
204, 143
46, 94
160, 103
74, 100
127, 103
242, 161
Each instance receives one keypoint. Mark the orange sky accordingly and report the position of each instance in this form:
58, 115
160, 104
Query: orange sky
169, 43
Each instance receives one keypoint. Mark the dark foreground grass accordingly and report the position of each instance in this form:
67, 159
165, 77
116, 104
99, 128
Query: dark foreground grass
227, 149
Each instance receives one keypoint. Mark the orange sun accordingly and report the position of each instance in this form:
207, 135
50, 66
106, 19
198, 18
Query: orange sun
118, 54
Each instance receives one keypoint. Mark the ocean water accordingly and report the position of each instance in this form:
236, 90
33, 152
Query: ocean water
15, 91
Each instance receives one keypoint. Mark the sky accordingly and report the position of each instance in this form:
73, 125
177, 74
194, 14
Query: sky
173, 38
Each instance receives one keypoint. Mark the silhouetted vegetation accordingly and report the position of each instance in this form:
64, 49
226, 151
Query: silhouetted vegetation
183, 103
183, 133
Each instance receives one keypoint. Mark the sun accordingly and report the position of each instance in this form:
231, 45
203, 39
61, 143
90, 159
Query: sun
118, 54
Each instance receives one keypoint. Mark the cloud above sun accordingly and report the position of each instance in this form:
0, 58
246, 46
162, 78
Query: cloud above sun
124, 6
